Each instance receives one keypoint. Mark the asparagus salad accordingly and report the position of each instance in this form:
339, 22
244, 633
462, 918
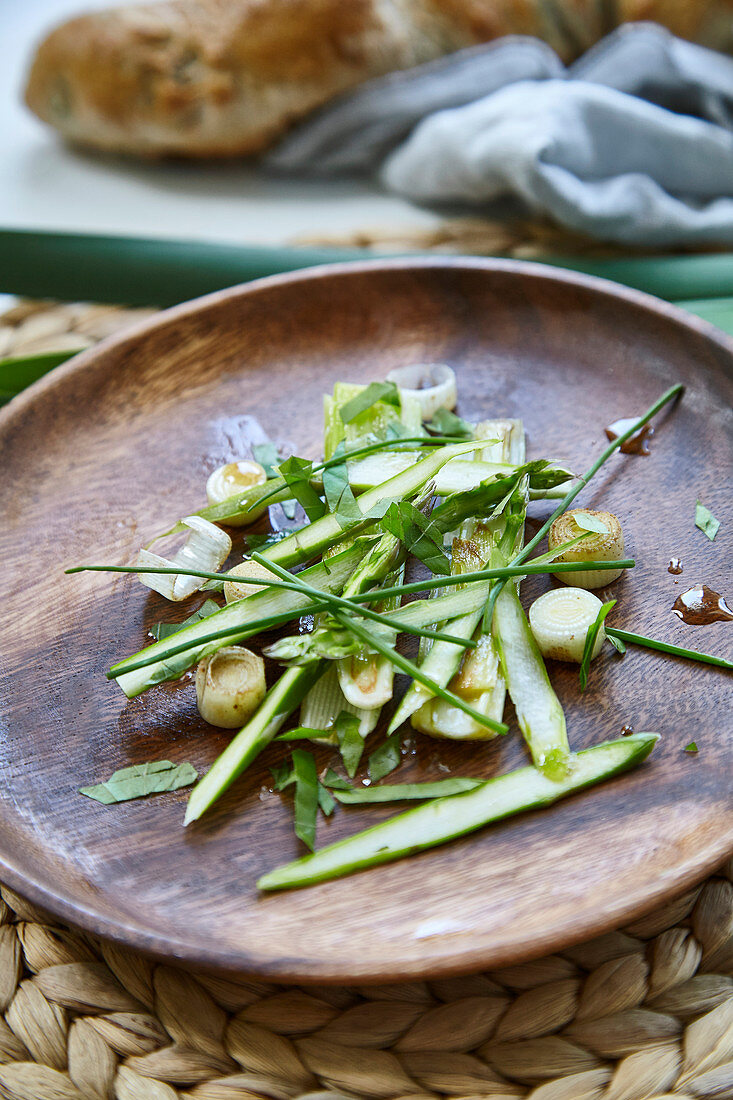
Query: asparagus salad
404, 482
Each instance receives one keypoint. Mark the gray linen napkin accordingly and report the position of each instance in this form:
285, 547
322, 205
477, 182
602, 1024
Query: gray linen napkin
633, 143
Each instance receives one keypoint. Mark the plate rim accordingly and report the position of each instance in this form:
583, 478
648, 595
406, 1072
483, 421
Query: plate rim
135, 936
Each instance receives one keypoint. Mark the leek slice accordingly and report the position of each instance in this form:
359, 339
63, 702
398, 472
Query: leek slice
444, 819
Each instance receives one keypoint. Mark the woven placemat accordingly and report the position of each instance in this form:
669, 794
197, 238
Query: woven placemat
644, 1013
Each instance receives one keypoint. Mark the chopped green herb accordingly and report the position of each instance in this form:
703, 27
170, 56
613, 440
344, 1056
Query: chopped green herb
282, 776
339, 495
617, 644
375, 391
351, 743
587, 522
335, 782
385, 759
446, 422
706, 521
402, 792
164, 630
297, 474
692, 747
419, 535
306, 797
590, 641
267, 456
325, 801
140, 780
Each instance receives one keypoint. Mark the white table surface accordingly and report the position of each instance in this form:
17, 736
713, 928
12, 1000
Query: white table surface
46, 185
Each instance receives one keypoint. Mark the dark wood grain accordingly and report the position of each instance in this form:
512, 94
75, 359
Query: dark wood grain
112, 448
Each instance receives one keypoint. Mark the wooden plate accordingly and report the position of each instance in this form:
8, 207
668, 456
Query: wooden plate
110, 449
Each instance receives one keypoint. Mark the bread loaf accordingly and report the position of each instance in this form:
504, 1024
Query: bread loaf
218, 78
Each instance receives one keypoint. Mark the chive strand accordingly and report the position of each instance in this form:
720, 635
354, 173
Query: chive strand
664, 647
536, 566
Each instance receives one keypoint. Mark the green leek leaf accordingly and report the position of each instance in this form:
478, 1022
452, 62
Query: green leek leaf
140, 780
692, 747
706, 521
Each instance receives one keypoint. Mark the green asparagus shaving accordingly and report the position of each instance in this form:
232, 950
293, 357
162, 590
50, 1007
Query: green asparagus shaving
164, 630
626, 637
419, 535
670, 395
590, 641
539, 713
706, 521
483, 499
267, 456
281, 700
405, 665
385, 759
407, 792
140, 780
445, 819
445, 422
350, 741
297, 473
375, 391
692, 747
306, 797
325, 801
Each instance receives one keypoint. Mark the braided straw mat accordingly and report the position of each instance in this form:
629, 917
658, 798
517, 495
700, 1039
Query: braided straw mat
644, 1013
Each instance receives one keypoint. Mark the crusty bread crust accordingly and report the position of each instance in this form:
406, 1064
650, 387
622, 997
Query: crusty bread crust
219, 78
